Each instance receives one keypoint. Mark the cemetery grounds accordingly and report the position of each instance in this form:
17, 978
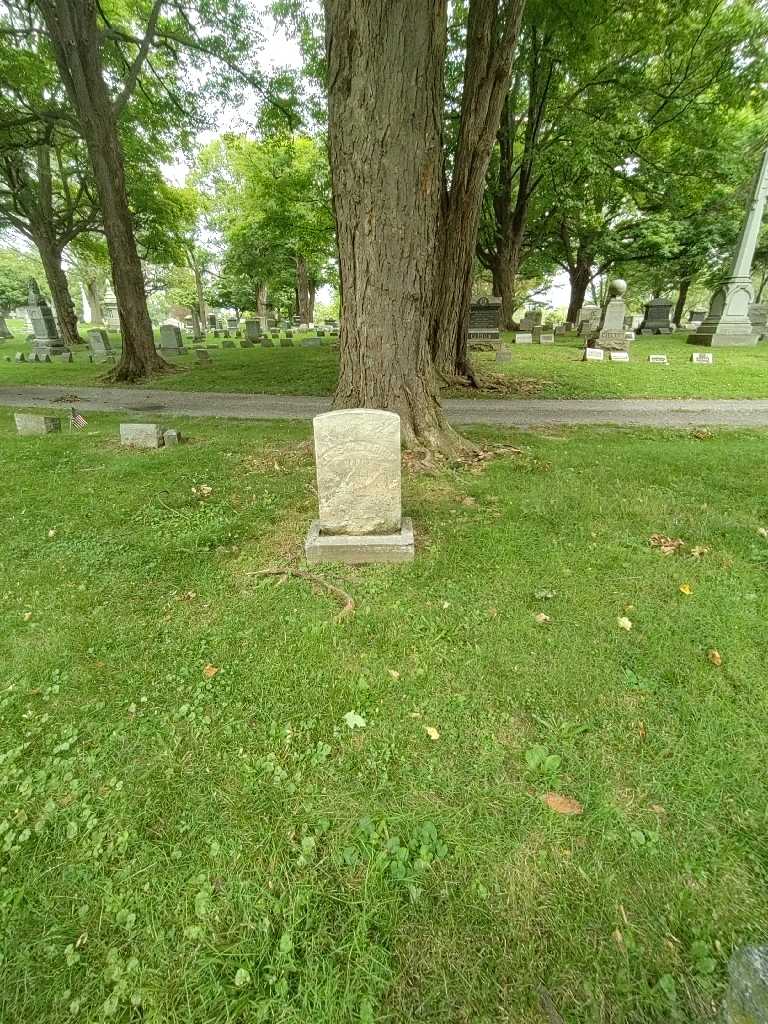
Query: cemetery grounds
523, 780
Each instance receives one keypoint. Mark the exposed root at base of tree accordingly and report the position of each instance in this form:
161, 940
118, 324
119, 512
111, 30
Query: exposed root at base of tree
349, 604
502, 384
474, 458
136, 375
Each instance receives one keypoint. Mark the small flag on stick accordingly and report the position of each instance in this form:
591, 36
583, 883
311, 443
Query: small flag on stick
76, 420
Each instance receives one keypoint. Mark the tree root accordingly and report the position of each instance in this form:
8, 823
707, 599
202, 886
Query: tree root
349, 605
130, 375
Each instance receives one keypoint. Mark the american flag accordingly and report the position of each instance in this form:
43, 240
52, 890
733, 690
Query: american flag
76, 420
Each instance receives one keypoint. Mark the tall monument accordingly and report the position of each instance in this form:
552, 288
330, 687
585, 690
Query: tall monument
728, 322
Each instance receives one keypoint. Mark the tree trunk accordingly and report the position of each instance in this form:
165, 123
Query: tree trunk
682, 298
261, 300
202, 309
491, 44
50, 257
302, 291
312, 298
580, 276
385, 74
73, 30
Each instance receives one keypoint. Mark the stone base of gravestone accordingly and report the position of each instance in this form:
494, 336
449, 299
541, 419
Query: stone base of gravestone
29, 425
523, 338
246, 343
746, 1001
286, 343
66, 357
363, 550
267, 343
226, 343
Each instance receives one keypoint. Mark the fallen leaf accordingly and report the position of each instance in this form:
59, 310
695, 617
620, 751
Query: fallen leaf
542, 619
763, 532
715, 658
562, 804
210, 671
354, 721
51, 533
624, 623
27, 616
642, 730
686, 588
394, 673
667, 545
432, 732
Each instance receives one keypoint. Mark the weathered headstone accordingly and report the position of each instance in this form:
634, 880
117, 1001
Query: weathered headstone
233, 325
657, 317
758, 317
523, 338
593, 355
589, 318
357, 454
728, 320
245, 342
266, 341
171, 437
703, 358
109, 308
660, 358
30, 425
746, 1001
46, 336
503, 355
696, 317
228, 343
253, 330
611, 333
546, 339
141, 435
484, 315
287, 342
4, 332
312, 343
171, 341
203, 357
617, 356
98, 343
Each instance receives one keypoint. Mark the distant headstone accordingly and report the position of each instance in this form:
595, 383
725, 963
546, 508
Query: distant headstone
611, 333
696, 317
523, 338
287, 342
171, 437
703, 358
46, 336
312, 343
171, 341
662, 360
746, 1001
503, 355
357, 454
657, 317
109, 309
4, 332
758, 317
546, 339
618, 357
203, 357
245, 342
66, 357
589, 318
98, 343
266, 342
228, 343
20, 357
211, 321
593, 355
29, 425
253, 330
484, 316
234, 326
141, 435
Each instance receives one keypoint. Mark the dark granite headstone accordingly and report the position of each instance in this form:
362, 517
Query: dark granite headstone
46, 337
657, 317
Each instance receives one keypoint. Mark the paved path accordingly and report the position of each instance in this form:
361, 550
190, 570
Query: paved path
507, 412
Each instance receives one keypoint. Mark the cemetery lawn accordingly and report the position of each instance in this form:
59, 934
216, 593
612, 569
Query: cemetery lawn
219, 804
535, 372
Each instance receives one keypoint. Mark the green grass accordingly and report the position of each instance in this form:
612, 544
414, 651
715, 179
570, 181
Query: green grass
176, 848
535, 372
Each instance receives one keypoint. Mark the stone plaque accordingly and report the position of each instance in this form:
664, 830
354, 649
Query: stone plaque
547, 339
523, 338
30, 425
619, 357
141, 435
357, 452
593, 355
503, 356
705, 358
661, 359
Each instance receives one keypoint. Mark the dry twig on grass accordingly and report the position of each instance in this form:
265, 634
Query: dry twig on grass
349, 604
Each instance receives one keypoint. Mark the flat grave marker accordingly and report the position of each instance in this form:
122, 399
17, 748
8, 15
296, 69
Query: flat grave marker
703, 358
593, 355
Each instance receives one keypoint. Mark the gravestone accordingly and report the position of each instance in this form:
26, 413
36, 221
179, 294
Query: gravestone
657, 317
109, 309
20, 357
29, 425
546, 339
484, 315
211, 321
611, 334
758, 317
46, 337
253, 330
357, 456
523, 338
4, 332
141, 435
616, 356
696, 317
171, 437
233, 324
66, 357
728, 322
593, 355
203, 357
287, 342
312, 343
703, 358
171, 341
266, 341
660, 359
245, 342
746, 1000
228, 343
503, 355
533, 318
98, 343
589, 319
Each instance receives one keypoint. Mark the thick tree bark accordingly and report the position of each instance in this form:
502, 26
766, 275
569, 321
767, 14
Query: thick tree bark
50, 257
303, 289
261, 300
73, 30
682, 297
580, 275
492, 27
385, 74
